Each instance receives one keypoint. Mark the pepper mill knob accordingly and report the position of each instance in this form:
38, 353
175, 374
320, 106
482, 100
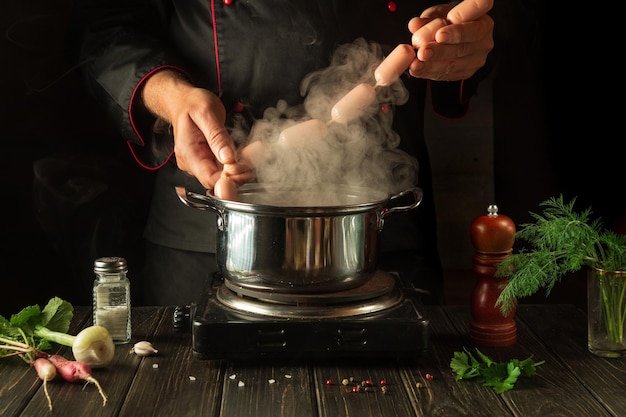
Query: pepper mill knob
492, 236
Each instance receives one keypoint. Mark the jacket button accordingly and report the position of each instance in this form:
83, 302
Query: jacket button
228, 2
392, 6
238, 107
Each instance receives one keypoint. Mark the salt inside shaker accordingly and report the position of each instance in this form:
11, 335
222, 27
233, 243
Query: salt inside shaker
111, 298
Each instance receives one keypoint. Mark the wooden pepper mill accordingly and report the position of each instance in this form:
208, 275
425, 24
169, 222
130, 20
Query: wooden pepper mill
492, 236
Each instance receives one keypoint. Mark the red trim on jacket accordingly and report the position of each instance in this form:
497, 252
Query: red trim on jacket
217, 55
132, 103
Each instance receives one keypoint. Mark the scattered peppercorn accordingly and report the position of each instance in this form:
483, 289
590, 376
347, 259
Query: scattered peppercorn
365, 385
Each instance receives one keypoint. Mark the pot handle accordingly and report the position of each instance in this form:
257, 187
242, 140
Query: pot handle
187, 196
417, 194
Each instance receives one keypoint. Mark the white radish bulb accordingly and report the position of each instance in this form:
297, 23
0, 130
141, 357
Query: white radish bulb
94, 346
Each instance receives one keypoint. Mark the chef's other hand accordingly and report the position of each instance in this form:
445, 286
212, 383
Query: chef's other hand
202, 144
452, 42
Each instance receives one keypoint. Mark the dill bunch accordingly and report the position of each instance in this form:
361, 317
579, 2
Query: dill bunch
561, 241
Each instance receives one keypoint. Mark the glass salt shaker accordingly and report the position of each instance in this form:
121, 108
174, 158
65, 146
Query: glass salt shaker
111, 297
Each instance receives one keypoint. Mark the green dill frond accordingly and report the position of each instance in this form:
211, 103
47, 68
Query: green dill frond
612, 252
559, 242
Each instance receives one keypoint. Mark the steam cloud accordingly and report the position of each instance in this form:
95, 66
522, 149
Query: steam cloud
362, 153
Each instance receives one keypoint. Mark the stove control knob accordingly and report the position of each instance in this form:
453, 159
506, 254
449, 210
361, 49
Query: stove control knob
182, 318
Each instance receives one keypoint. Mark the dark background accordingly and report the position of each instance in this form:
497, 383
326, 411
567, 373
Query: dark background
71, 191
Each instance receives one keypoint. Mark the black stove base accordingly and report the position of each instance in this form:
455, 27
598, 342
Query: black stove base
220, 332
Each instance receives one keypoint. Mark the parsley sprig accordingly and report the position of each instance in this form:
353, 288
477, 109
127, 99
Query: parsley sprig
501, 376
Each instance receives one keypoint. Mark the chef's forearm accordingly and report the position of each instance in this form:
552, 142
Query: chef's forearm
162, 92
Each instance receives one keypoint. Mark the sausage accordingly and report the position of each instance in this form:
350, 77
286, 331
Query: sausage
352, 105
226, 189
394, 65
254, 154
313, 129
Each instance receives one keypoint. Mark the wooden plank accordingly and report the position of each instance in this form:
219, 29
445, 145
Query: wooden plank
441, 395
18, 385
554, 385
267, 388
369, 399
173, 382
564, 329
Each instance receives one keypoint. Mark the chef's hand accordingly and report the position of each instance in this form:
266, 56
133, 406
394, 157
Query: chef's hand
202, 145
452, 41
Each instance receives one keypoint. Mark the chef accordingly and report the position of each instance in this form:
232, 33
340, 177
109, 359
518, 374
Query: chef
176, 77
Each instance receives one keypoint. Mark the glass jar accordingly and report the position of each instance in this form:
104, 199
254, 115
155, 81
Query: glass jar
111, 298
606, 312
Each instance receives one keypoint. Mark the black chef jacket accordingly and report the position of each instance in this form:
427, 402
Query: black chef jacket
251, 53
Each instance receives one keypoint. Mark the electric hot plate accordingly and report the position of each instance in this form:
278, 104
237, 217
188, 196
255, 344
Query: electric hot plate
378, 319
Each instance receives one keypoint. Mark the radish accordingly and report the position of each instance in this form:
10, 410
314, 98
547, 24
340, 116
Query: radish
46, 372
93, 345
76, 371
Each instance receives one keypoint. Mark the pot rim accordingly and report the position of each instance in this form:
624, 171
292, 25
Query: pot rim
367, 200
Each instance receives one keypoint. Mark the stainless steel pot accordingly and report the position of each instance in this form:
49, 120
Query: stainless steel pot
300, 241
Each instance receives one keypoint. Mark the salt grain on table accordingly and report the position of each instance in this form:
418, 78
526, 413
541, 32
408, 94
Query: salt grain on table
241, 384
233, 376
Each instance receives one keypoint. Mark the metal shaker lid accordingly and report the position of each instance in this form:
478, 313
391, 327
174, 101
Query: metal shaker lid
110, 264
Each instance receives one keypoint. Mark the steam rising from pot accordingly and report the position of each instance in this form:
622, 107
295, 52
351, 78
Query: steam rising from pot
318, 150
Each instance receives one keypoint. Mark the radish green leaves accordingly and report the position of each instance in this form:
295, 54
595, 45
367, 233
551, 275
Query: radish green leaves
21, 327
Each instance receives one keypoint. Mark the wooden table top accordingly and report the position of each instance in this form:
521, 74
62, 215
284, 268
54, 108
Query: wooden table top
572, 382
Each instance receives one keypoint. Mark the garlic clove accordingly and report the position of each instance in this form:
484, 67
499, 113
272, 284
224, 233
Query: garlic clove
143, 348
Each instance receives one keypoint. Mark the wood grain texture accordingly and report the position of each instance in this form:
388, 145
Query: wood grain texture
546, 393
572, 382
